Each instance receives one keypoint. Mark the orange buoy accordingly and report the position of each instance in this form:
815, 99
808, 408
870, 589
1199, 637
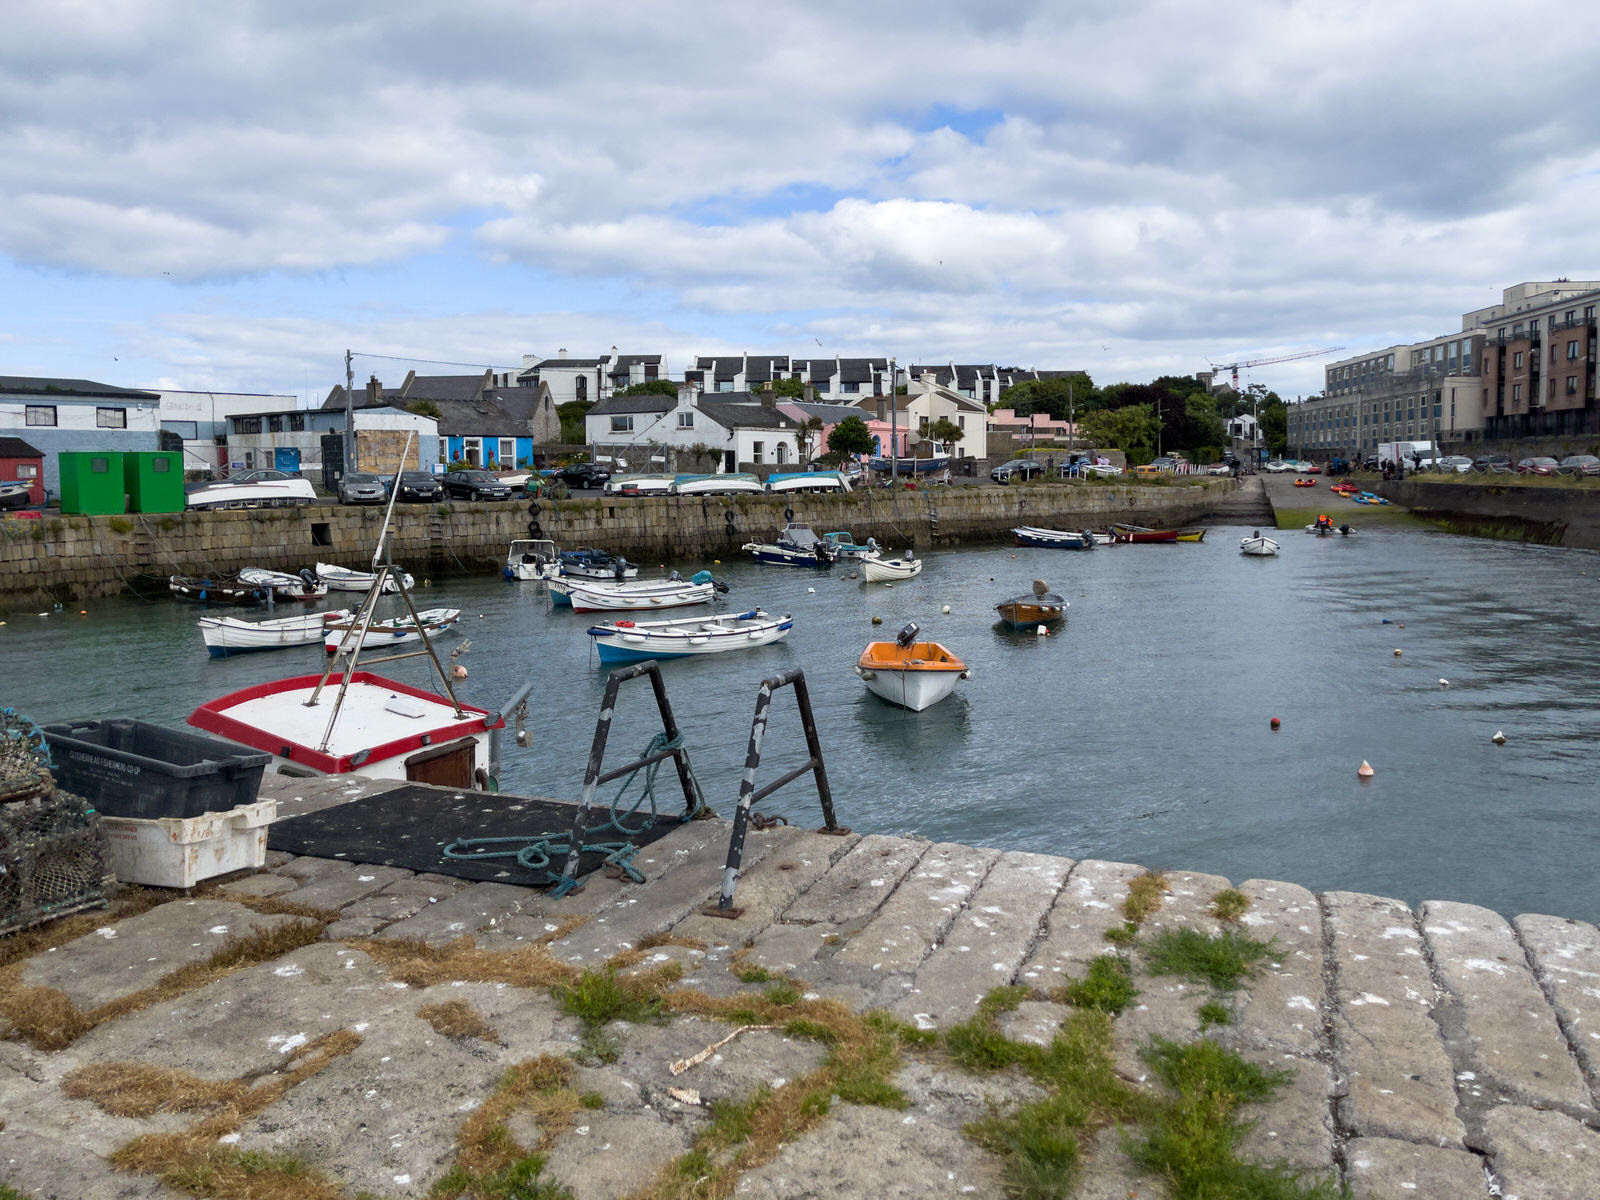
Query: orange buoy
1365, 769
1276, 722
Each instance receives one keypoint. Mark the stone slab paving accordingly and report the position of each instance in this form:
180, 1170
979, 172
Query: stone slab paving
1542, 1155
1281, 1008
1384, 1169
337, 889
1075, 929
1566, 958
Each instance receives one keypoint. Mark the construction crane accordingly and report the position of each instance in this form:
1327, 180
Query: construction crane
1261, 362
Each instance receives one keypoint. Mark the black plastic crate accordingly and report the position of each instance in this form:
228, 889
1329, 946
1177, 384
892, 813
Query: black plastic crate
128, 768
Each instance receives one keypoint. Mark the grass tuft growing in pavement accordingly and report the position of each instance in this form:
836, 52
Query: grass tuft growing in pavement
1107, 987
458, 1019
1229, 904
490, 1164
1224, 961
1145, 894
598, 997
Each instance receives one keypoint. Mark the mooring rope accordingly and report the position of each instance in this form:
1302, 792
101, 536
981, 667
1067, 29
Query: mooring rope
535, 852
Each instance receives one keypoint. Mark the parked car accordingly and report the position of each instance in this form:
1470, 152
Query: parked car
360, 488
584, 475
1541, 465
1017, 468
475, 485
1579, 464
1459, 463
1494, 464
1220, 468
419, 487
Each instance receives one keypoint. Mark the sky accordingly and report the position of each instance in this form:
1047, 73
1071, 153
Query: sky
229, 196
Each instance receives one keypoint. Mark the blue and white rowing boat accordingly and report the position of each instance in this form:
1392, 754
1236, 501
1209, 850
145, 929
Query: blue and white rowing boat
1054, 539
808, 481
797, 546
687, 637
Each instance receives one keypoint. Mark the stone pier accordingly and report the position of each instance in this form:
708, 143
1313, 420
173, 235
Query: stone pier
1438, 1052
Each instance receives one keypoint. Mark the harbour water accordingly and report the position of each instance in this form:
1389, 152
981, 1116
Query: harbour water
1139, 732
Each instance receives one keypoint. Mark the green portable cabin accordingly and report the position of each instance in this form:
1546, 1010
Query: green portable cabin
153, 480
92, 483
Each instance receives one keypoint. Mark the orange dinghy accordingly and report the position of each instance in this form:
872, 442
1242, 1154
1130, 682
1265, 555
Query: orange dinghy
910, 673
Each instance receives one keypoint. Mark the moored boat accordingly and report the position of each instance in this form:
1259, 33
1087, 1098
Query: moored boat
303, 588
1191, 535
1054, 539
342, 634
530, 558
797, 546
216, 589
226, 636
343, 579
590, 562
1040, 607
1141, 534
875, 568
687, 637
845, 545
1257, 546
584, 596
910, 673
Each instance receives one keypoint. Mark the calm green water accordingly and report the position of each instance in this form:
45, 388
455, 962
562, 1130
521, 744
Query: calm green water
1140, 732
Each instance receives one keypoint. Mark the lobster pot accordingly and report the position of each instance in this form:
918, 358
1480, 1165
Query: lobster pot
52, 858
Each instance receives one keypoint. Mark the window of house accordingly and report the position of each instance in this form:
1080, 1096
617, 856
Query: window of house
1570, 315
247, 424
41, 414
757, 449
1516, 359
622, 424
274, 424
724, 385
1572, 385
685, 420
111, 418
187, 430
1516, 393
297, 422
1572, 348
508, 452
961, 421
27, 470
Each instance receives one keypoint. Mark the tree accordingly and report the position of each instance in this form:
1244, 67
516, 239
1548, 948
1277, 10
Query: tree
650, 387
946, 433
789, 389
849, 438
1131, 429
571, 414
1075, 393
1274, 417
805, 434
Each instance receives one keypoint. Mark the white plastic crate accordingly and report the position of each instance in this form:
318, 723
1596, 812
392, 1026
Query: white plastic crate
178, 852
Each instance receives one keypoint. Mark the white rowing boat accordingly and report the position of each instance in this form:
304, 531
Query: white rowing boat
878, 569
342, 635
230, 635
687, 637
343, 579
304, 587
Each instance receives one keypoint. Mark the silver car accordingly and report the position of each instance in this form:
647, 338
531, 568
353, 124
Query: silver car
361, 488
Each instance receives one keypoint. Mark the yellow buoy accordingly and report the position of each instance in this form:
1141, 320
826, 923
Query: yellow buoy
1397, 654
1365, 769
877, 620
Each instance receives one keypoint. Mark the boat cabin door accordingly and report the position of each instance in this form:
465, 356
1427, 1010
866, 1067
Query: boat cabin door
444, 766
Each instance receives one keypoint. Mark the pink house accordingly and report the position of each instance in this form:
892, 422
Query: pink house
1041, 427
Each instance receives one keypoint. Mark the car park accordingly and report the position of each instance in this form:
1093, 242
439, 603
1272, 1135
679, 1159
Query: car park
475, 485
1540, 465
1579, 464
1017, 468
358, 487
419, 487
584, 475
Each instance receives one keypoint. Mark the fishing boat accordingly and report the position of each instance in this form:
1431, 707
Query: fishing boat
15, 495
1191, 535
215, 589
845, 545
590, 562
282, 586
1054, 539
797, 546
875, 568
583, 596
912, 466
715, 485
343, 579
1257, 546
808, 481
1039, 607
531, 558
910, 673
342, 634
686, 637
1142, 534
225, 636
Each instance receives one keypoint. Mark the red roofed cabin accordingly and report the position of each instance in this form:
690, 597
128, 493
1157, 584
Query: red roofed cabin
21, 462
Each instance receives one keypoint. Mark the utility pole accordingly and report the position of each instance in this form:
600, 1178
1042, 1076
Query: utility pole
894, 436
1072, 425
349, 415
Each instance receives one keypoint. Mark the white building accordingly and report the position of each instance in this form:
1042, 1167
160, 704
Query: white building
201, 420
61, 415
743, 429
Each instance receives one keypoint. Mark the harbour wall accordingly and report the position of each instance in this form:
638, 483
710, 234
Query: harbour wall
1547, 514
62, 559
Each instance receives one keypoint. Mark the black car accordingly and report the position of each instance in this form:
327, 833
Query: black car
584, 475
1018, 468
419, 487
475, 485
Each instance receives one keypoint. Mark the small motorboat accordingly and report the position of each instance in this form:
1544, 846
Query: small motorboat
877, 569
216, 589
225, 636
342, 634
910, 673
845, 546
282, 586
1330, 530
797, 546
1142, 534
589, 562
1191, 535
15, 495
1054, 539
343, 579
585, 596
1257, 546
686, 637
1040, 607
531, 558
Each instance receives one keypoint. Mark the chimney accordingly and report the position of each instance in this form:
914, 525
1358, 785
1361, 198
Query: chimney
769, 398
810, 394
562, 353
374, 388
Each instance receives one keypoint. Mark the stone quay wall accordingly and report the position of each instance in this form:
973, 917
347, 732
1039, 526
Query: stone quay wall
64, 559
1554, 515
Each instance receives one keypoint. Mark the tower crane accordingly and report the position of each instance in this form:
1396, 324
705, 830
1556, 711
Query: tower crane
1261, 362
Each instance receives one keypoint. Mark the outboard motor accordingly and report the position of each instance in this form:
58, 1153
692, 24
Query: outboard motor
310, 578
619, 569
907, 636
674, 577
823, 553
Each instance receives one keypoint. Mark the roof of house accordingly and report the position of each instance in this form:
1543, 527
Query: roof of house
11, 447
652, 402
629, 360
741, 410
42, 386
831, 414
479, 418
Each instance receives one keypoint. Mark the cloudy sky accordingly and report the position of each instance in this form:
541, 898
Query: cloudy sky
227, 196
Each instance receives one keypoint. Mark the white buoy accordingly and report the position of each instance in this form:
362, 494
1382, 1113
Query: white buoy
458, 672
1042, 631
1499, 739
945, 610
811, 591
1365, 769
1444, 683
